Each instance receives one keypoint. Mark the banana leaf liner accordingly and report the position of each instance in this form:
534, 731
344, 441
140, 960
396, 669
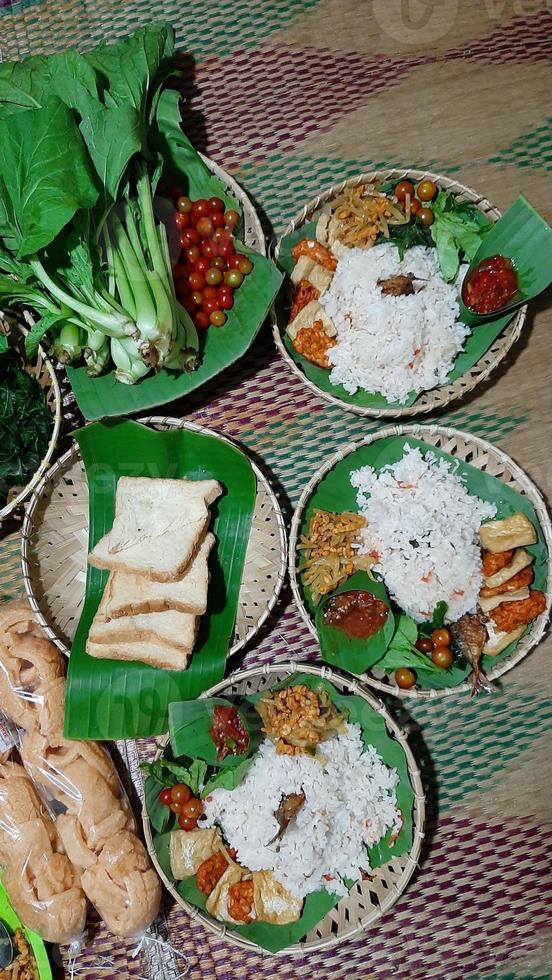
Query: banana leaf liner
524, 237
110, 699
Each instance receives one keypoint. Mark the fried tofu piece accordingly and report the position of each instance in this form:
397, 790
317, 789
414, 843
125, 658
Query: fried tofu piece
515, 531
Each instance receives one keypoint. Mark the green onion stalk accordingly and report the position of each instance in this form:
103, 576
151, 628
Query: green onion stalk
140, 283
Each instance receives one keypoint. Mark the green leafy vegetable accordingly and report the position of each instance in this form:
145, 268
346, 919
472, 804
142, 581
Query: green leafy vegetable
25, 425
80, 146
402, 652
227, 778
168, 773
406, 236
457, 231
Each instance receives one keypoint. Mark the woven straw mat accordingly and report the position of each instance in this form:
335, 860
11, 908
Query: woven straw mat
291, 96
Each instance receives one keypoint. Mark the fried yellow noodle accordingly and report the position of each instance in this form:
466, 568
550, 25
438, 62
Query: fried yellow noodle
363, 214
329, 553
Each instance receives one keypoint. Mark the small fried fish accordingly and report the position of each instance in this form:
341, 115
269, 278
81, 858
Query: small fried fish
288, 808
470, 635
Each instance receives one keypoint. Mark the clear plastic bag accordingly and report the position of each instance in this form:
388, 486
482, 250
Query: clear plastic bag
77, 780
41, 883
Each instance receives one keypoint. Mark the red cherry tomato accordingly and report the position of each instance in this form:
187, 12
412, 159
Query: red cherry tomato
209, 248
225, 248
217, 318
181, 793
215, 204
225, 297
186, 823
189, 237
205, 227
193, 808
245, 266
209, 305
405, 678
165, 797
201, 265
234, 260
210, 292
192, 253
217, 219
201, 320
231, 219
213, 277
177, 807
218, 263
426, 216
184, 204
403, 188
181, 219
197, 280
415, 206
200, 209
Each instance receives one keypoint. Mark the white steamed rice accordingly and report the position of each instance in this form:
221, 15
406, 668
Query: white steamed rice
423, 524
350, 801
392, 344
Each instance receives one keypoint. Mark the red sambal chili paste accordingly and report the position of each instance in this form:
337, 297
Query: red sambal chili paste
358, 613
490, 285
228, 731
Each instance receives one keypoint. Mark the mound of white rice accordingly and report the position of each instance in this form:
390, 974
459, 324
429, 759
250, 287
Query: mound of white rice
350, 801
423, 525
392, 344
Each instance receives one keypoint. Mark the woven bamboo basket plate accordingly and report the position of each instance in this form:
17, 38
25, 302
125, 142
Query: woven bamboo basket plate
368, 900
428, 401
55, 547
483, 456
41, 369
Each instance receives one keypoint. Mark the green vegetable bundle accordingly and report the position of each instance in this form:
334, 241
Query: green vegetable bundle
25, 425
79, 241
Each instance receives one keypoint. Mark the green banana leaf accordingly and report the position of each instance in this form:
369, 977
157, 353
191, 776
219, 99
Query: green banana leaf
335, 493
275, 938
113, 699
523, 236
348, 652
475, 346
189, 725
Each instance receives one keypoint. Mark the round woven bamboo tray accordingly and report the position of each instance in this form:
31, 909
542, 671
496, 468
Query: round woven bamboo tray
368, 900
54, 548
42, 370
483, 456
428, 401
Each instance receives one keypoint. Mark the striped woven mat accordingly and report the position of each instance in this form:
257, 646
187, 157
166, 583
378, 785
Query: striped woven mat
290, 95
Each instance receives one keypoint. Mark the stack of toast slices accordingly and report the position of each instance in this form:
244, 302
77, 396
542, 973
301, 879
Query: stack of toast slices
157, 555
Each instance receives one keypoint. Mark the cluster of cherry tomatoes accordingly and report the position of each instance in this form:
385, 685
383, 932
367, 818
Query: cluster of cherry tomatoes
181, 801
209, 269
437, 646
419, 196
